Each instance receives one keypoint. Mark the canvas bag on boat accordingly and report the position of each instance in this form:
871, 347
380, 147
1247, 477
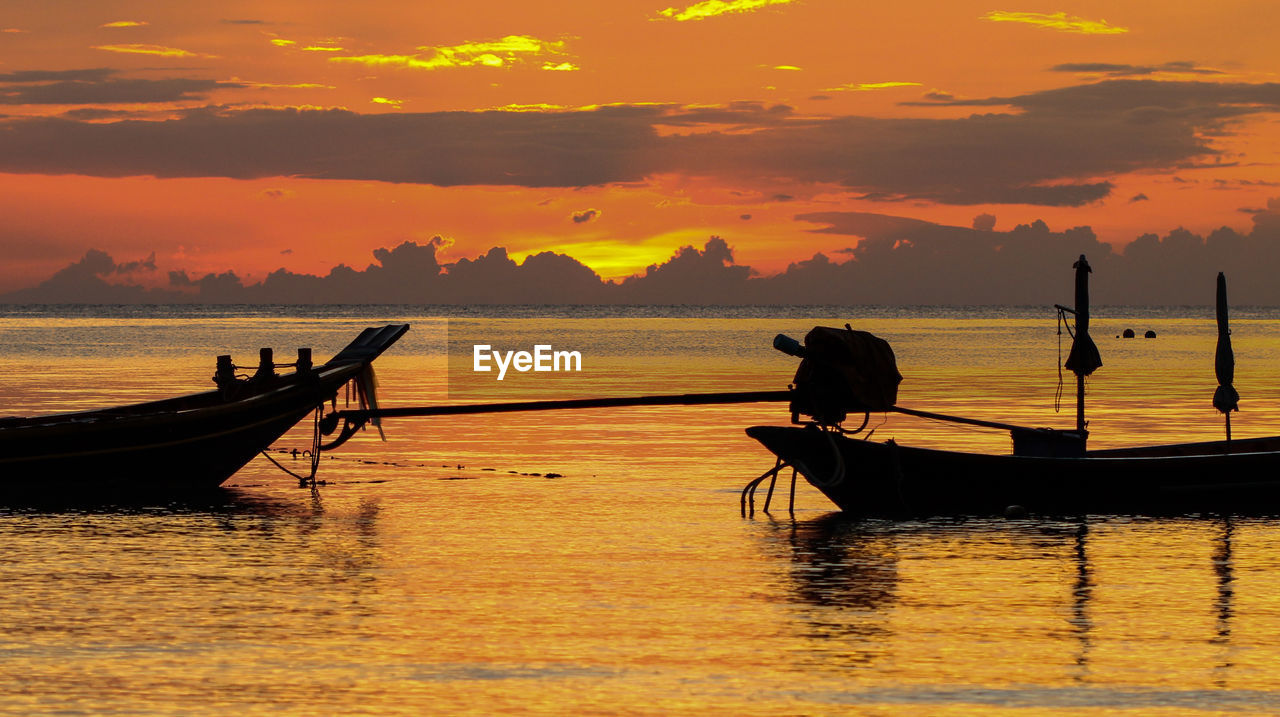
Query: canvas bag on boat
845, 371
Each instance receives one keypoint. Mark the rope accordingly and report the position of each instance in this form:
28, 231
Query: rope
315, 453
837, 471
1062, 321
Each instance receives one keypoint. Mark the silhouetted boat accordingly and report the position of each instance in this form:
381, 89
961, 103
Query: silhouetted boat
1049, 471
179, 444
886, 478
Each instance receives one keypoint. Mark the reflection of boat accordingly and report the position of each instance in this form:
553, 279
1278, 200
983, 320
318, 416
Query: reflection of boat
191, 442
1049, 471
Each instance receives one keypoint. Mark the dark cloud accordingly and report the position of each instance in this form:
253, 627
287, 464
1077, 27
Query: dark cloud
984, 222
546, 277
735, 115
745, 217
1140, 197
1056, 148
98, 86
585, 216
907, 261
142, 265
1121, 70
83, 282
94, 74
99, 113
898, 261
1143, 101
691, 276
449, 148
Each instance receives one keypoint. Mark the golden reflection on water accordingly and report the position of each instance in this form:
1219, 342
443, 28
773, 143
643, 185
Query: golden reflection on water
437, 573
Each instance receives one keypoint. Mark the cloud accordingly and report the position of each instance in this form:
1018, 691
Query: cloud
99, 86
146, 49
1058, 147
387, 101
84, 281
536, 149
92, 114
1122, 70
505, 52
865, 86
715, 8
237, 82
125, 23
1057, 21
95, 74
1140, 197
897, 260
691, 276
788, 68
243, 22
585, 216
142, 265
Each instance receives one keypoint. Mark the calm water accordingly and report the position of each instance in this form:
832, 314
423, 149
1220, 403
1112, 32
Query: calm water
442, 571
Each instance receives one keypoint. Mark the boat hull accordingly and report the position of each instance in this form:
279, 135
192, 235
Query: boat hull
181, 445
884, 478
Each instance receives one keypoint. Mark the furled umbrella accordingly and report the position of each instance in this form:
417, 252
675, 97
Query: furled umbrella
1225, 399
1084, 358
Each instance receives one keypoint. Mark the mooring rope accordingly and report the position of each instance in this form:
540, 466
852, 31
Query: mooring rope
315, 453
1062, 321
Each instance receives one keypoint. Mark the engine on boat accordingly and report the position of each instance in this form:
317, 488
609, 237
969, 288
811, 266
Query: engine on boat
842, 371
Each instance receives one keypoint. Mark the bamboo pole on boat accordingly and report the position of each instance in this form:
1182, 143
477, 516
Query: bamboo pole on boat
1225, 398
1084, 358
681, 399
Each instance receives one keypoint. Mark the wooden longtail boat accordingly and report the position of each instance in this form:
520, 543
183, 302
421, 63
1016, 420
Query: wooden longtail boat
865, 477
1049, 471
179, 444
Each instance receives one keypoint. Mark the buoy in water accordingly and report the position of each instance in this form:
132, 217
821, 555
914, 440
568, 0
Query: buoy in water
1128, 333
1149, 335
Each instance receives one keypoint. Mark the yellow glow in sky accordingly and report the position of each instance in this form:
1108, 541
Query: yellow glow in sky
713, 8
142, 49
865, 86
512, 49
1057, 21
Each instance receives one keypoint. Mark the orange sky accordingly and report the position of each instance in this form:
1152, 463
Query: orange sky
656, 127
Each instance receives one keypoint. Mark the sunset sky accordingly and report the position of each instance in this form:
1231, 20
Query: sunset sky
251, 136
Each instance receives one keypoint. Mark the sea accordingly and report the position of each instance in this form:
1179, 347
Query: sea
597, 562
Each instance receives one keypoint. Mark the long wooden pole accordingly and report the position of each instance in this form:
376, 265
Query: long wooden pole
680, 399
1080, 422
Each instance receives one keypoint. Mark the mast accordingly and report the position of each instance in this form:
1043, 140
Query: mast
1084, 358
